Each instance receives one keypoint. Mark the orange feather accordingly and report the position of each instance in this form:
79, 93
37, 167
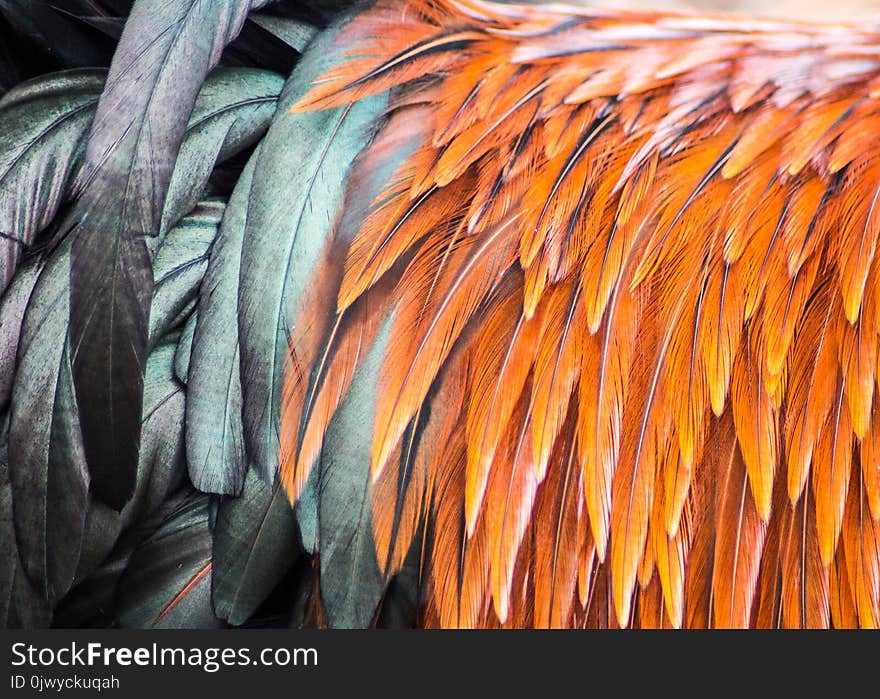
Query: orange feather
631, 259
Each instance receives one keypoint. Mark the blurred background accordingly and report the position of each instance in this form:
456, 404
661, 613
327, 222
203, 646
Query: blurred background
795, 9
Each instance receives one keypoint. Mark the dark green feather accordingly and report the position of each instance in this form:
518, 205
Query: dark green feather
296, 195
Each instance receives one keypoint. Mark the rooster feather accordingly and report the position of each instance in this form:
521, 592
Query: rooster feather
487, 315
650, 240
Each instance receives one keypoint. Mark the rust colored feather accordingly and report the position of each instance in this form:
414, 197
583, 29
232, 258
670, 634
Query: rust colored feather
843, 610
805, 601
602, 397
861, 548
510, 496
504, 356
869, 457
556, 370
831, 474
814, 381
757, 427
555, 536
453, 295
739, 540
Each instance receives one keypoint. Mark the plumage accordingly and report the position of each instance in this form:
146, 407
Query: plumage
167, 582
48, 473
486, 315
674, 279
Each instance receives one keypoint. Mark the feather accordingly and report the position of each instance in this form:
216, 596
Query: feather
805, 601
90, 604
214, 429
21, 604
586, 556
161, 462
12, 309
739, 538
869, 456
231, 112
184, 349
43, 124
831, 474
399, 504
756, 421
457, 562
633, 485
179, 266
255, 544
501, 365
670, 555
127, 169
475, 267
861, 548
351, 582
161, 470
167, 582
843, 610
356, 329
510, 496
288, 233
459, 565
602, 395
556, 541
47, 465
556, 370
699, 573
858, 363
392, 227
858, 243
813, 382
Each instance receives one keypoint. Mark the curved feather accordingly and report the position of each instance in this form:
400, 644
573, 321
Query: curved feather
288, 232
167, 582
127, 170
43, 124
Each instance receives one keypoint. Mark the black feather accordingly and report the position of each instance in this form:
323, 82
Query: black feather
167, 583
162, 59
43, 124
255, 544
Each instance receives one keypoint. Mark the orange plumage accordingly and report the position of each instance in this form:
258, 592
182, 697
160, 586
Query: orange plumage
628, 262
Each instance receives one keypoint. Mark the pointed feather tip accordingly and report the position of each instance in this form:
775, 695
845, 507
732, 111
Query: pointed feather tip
674, 612
796, 479
379, 460
827, 546
763, 497
717, 397
293, 480
622, 602
501, 605
852, 302
473, 499
860, 417
600, 539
